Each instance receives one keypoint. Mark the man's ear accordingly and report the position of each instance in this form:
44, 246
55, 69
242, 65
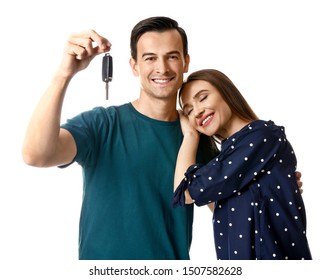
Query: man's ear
134, 67
187, 61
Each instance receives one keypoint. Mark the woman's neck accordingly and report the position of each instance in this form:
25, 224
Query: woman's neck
235, 125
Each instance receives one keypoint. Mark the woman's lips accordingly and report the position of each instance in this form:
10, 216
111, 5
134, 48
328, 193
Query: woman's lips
206, 120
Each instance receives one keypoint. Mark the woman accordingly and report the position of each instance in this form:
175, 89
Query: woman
258, 209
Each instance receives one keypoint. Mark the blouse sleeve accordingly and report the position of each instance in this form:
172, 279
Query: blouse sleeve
179, 194
250, 153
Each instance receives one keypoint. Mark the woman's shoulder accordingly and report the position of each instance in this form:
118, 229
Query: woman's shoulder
266, 130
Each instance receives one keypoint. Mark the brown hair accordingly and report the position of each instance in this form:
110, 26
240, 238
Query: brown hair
227, 89
158, 24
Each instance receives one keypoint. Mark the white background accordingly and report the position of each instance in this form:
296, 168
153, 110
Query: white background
276, 52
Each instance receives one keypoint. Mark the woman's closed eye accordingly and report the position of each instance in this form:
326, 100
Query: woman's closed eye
202, 97
187, 111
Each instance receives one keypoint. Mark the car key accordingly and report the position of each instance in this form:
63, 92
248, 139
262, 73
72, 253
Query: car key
107, 72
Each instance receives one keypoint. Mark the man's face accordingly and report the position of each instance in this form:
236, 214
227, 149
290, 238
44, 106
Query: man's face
160, 63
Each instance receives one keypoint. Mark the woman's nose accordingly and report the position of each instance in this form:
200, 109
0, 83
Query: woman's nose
198, 112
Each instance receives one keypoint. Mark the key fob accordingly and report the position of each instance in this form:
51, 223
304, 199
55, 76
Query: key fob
107, 72
107, 68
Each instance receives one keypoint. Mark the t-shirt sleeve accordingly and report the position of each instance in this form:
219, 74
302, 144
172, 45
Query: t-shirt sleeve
85, 128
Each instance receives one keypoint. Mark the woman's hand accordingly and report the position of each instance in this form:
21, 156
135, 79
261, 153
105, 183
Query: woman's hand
186, 127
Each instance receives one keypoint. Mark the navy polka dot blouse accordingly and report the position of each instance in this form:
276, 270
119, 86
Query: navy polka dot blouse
259, 212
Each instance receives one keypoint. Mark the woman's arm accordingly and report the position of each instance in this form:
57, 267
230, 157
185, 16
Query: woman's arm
187, 153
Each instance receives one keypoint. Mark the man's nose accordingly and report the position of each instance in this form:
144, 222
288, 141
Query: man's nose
162, 66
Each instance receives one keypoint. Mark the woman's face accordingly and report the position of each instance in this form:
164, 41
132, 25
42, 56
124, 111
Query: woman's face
205, 108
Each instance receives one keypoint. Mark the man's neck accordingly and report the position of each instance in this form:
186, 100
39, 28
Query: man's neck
162, 110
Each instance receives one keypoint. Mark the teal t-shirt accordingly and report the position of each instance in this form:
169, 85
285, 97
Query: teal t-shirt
128, 163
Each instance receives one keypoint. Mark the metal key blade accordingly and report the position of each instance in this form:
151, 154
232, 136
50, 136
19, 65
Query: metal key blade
107, 90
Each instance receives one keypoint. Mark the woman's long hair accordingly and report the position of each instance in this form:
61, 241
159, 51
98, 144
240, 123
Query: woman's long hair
231, 96
227, 89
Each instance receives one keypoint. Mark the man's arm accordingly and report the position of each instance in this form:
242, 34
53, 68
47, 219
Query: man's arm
45, 143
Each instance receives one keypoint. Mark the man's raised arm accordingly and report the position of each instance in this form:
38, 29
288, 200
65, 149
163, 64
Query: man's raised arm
45, 143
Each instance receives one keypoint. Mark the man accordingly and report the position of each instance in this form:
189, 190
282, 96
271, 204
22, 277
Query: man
127, 152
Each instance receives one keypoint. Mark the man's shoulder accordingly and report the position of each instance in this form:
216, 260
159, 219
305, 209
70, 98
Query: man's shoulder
112, 109
109, 112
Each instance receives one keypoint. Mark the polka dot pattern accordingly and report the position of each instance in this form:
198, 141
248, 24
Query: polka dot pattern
259, 212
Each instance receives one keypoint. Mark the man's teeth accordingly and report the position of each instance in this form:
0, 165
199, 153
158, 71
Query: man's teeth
161, 81
204, 121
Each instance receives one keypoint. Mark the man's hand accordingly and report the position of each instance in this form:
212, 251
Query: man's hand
80, 49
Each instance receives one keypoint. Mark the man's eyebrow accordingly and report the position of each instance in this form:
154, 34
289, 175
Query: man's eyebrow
168, 53
174, 52
148, 54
